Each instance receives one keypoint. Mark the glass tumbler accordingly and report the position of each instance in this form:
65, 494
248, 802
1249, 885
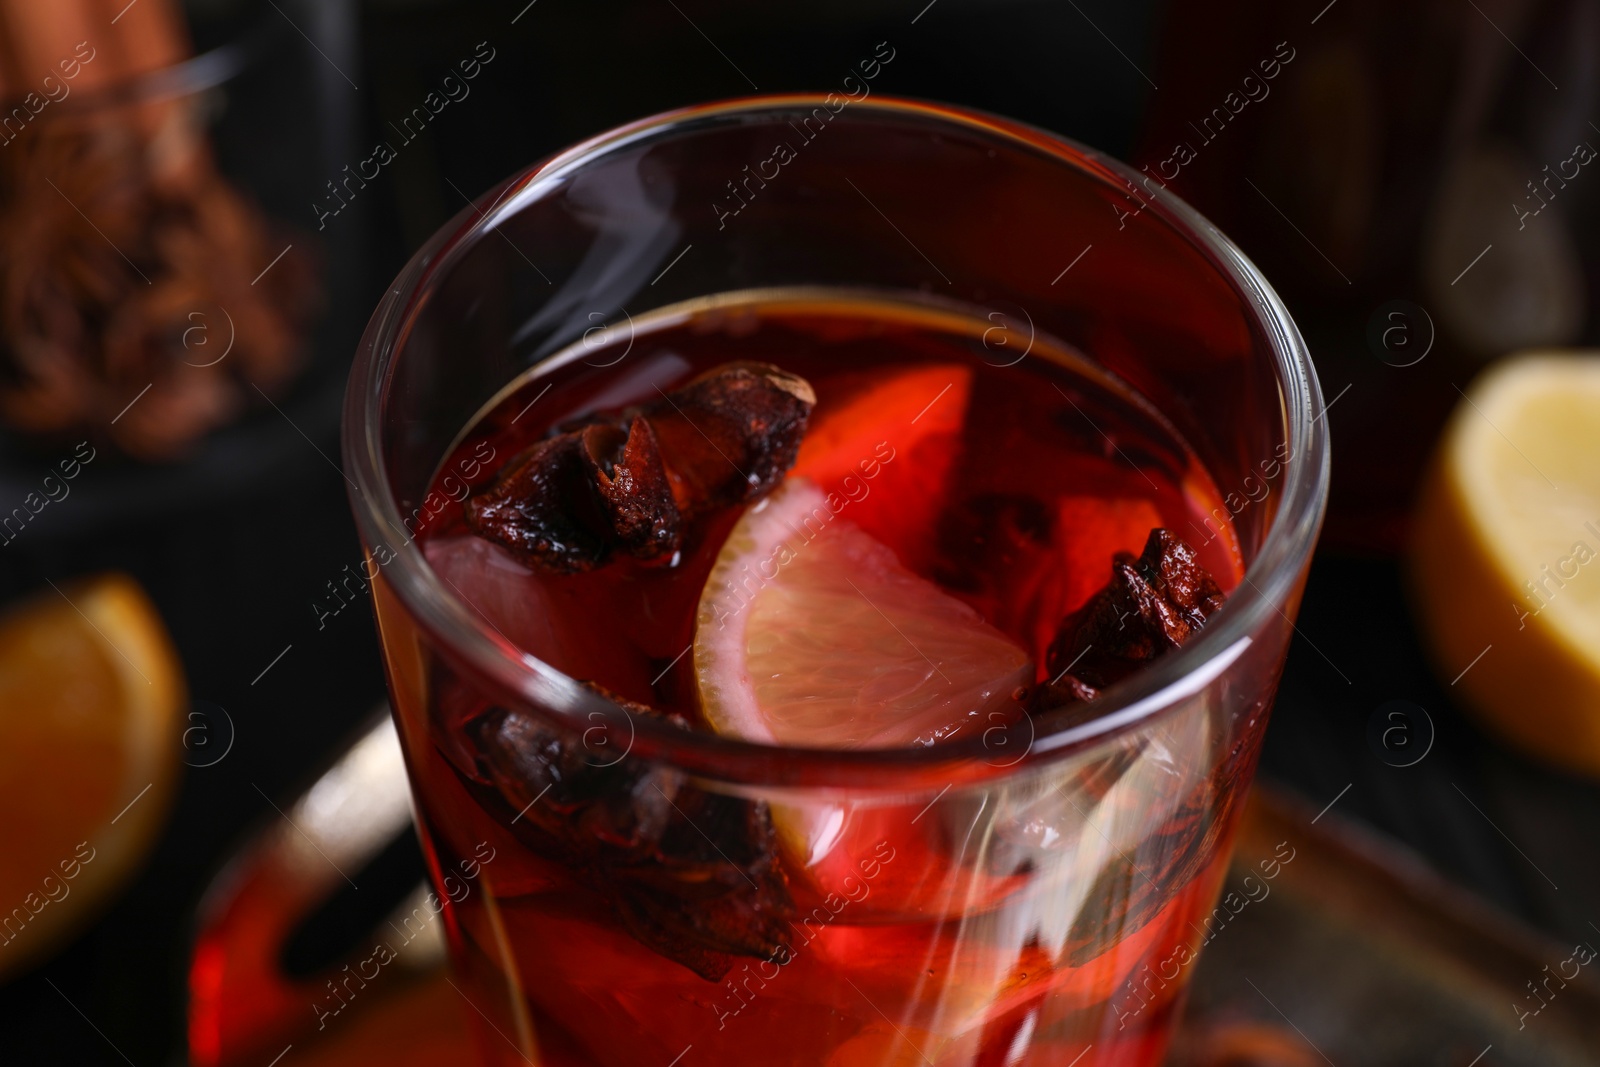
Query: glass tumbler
1035, 895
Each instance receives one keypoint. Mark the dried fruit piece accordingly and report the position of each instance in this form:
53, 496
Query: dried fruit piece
692, 874
1152, 604
1058, 691
633, 482
634, 488
535, 506
1024, 563
730, 435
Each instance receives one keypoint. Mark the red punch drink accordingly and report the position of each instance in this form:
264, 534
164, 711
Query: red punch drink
841, 676
998, 497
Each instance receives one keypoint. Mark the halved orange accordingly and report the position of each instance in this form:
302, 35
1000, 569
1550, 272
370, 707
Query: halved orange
91, 694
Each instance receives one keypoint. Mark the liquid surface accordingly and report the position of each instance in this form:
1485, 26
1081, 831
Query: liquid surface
621, 915
1005, 470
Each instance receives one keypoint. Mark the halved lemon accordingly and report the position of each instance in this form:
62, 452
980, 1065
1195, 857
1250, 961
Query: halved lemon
90, 697
810, 632
1505, 559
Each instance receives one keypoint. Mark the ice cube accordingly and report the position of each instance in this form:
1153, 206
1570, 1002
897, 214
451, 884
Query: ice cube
1100, 846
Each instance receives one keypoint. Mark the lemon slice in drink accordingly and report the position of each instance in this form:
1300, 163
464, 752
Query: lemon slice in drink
1506, 555
811, 632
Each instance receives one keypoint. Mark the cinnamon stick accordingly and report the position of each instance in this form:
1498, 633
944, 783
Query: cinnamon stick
49, 40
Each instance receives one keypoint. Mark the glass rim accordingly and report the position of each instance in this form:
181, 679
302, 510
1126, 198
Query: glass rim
475, 645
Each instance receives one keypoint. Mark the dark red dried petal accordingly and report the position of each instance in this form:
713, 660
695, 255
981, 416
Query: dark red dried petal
1152, 604
634, 489
1063, 689
632, 483
692, 874
1184, 583
730, 435
713, 882
537, 506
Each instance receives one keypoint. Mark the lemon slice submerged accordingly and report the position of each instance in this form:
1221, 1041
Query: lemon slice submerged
810, 632
1506, 555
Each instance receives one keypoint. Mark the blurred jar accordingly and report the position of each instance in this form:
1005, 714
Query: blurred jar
159, 273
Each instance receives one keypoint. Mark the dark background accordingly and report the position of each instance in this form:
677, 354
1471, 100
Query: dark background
235, 568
